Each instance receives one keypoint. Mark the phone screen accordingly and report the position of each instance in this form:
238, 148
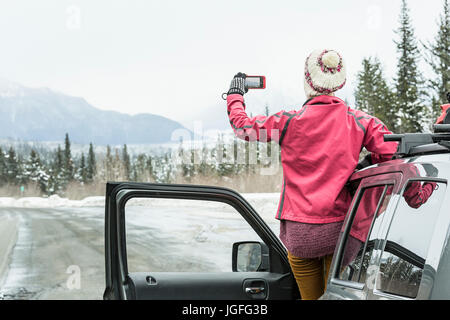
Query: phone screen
254, 82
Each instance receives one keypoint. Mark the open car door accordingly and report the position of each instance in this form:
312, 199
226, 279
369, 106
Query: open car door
259, 270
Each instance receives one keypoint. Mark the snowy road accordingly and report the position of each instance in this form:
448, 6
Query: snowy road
48, 242
42, 250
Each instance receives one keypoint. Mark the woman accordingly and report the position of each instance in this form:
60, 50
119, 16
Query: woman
320, 147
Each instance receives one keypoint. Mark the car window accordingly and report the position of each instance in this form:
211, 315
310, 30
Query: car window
365, 223
179, 235
408, 238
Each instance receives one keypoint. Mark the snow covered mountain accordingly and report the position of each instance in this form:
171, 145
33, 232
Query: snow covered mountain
41, 114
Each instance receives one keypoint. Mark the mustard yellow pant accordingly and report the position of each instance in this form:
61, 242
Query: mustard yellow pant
311, 275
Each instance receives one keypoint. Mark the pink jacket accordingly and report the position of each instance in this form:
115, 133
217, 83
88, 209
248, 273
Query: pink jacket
320, 147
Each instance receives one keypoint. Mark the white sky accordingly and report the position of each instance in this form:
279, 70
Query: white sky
175, 58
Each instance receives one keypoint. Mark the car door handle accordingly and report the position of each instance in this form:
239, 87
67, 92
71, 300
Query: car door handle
254, 290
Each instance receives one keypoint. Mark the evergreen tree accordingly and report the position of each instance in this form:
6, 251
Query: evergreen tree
68, 162
91, 169
117, 165
57, 182
126, 163
150, 168
51, 183
167, 172
202, 167
225, 157
438, 58
13, 173
408, 80
134, 172
185, 161
21, 178
82, 170
373, 95
109, 164
140, 169
35, 171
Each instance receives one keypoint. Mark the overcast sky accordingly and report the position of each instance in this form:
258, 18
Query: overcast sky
175, 58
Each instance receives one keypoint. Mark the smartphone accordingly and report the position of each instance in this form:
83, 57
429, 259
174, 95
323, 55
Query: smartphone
255, 82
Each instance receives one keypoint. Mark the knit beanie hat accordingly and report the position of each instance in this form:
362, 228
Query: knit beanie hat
325, 73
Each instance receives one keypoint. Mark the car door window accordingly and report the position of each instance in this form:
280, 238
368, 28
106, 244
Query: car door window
408, 238
179, 235
365, 224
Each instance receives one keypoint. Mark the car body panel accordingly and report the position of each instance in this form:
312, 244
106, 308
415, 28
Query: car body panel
434, 284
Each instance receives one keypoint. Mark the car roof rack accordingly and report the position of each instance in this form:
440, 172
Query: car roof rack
412, 144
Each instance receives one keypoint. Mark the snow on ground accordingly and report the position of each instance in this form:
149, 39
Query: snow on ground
55, 201
51, 202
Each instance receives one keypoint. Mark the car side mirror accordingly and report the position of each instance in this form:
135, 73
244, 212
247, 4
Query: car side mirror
250, 256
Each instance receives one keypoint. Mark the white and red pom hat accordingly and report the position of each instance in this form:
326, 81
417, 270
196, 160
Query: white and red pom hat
325, 73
